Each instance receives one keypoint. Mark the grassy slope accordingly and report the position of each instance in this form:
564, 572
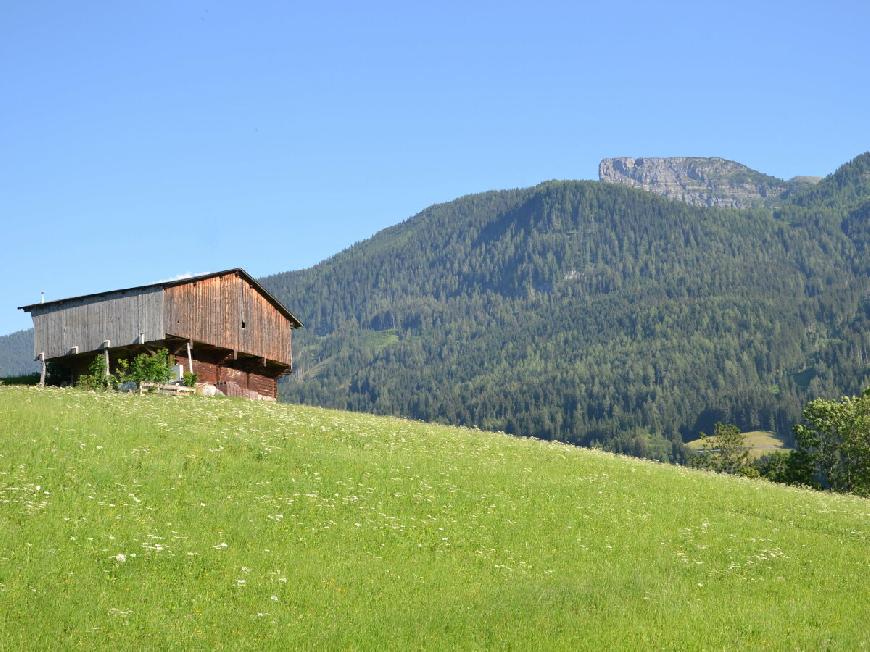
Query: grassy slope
759, 443
346, 530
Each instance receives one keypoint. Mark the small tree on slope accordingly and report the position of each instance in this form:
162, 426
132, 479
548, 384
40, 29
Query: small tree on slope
724, 451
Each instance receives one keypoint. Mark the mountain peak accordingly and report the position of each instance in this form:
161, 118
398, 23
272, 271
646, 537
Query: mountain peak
700, 181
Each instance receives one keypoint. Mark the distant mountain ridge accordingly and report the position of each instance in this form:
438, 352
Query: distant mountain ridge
700, 181
16, 354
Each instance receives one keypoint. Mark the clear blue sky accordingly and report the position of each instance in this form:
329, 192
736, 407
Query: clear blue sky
144, 140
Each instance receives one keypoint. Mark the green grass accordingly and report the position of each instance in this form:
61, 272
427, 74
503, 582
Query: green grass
758, 442
248, 525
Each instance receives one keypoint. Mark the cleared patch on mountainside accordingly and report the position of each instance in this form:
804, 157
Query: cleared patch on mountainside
758, 443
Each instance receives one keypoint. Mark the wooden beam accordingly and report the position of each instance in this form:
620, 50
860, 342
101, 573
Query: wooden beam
41, 357
189, 357
106, 345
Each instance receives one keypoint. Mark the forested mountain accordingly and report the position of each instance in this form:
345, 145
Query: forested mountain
594, 313
16, 354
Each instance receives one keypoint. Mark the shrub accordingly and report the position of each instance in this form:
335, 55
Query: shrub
189, 379
96, 379
146, 368
775, 466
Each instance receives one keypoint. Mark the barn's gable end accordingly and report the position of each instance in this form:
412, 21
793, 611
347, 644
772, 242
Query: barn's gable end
230, 313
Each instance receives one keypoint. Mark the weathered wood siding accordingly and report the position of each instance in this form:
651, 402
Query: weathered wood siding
263, 385
226, 311
86, 323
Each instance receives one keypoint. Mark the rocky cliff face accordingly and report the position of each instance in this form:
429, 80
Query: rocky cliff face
695, 180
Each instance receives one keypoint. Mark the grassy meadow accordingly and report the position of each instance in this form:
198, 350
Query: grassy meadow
758, 443
192, 523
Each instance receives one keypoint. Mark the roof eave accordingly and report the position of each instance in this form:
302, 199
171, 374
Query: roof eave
295, 323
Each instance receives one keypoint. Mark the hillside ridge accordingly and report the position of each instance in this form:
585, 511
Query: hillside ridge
221, 523
16, 354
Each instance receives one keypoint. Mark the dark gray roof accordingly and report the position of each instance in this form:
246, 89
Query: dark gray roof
165, 284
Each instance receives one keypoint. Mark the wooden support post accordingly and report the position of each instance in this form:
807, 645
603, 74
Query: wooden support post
41, 357
189, 357
106, 345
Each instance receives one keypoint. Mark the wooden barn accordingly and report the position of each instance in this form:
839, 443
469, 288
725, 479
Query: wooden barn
234, 333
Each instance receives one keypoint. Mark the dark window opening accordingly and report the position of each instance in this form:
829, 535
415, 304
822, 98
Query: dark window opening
243, 324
